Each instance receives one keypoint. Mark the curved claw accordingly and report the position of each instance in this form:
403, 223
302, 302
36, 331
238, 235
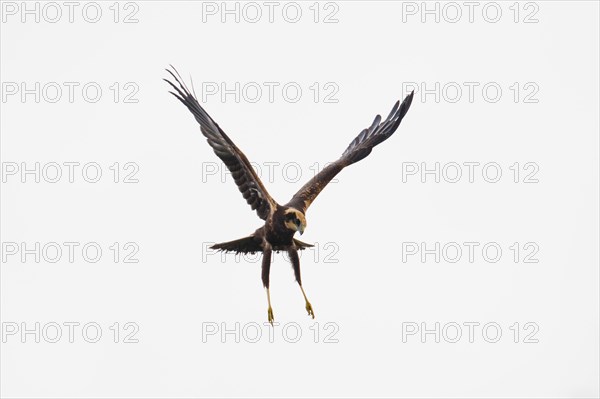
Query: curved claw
309, 309
270, 316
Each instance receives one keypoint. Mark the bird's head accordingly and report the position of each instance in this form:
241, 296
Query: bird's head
295, 220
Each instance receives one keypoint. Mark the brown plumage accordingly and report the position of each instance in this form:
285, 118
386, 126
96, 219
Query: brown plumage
281, 221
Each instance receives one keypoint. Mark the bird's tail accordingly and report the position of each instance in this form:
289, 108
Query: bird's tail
251, 244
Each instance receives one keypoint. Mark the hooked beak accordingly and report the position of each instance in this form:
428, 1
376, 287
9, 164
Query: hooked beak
300, 229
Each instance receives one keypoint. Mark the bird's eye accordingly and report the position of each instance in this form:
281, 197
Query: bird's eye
297, 221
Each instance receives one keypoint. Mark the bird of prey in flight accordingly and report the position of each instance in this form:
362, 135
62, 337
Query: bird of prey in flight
281, 221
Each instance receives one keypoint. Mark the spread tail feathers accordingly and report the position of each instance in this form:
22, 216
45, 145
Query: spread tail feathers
251, 245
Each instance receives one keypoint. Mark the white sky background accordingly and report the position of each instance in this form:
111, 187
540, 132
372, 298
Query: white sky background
362, 278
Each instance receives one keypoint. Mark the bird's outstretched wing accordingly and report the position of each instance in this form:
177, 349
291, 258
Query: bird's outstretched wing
244, 175
358, 149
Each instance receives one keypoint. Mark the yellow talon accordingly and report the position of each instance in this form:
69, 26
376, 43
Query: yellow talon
271, 318
309, 309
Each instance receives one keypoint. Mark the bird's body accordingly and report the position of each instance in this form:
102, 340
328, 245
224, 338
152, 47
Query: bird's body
273, 232
281, 222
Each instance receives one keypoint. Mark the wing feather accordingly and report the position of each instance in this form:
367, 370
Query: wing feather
358, 149
241, 170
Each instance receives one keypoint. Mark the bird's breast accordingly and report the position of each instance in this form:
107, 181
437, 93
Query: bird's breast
279, 235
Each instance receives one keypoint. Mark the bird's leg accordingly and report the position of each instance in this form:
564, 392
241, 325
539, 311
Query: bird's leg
270, 310
293, 253
309, 308
266, 268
